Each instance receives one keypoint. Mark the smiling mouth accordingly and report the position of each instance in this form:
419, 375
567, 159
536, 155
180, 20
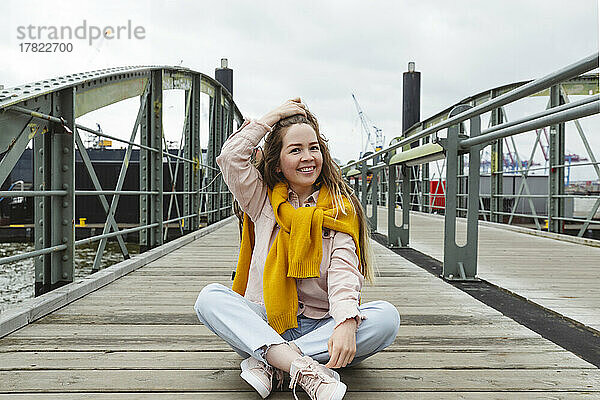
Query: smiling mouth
306, 170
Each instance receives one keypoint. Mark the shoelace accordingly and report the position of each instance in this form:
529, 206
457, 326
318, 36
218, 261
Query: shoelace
309, 385
262, 367
279, 377
272, 371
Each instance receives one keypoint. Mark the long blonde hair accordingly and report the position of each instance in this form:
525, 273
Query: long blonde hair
331, 176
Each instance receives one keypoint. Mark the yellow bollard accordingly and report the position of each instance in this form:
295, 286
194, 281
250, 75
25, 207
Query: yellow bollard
82, 221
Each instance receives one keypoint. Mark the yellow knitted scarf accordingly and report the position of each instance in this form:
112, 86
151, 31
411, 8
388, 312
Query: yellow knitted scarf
296, 252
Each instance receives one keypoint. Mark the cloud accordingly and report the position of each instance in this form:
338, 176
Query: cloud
326, 50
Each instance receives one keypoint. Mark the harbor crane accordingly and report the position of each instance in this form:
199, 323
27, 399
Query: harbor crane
375, 136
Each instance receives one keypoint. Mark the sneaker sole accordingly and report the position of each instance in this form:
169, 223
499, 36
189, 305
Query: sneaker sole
339, 393
336, 376
253, 381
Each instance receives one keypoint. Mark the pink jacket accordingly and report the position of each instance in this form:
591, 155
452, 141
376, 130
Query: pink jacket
336, 292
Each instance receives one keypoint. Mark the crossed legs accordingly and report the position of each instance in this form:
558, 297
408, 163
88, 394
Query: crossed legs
243, 325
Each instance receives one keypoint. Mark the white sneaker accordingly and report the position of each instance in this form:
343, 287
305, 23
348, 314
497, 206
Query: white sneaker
327, 371
317, 380
260, 375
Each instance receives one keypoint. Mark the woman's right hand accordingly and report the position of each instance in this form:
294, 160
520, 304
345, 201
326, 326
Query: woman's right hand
287, 109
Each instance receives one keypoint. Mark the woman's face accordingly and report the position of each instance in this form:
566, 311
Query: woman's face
300, 159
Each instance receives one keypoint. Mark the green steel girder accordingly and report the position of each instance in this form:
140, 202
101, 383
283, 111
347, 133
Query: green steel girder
556, 176
497, 168
151, 166
120, 180
581, 85
97, 89
54, 165
224, 204
18, 130
71, 96
92, 173
460, 262
397, 235
214, 149
192, 151
155, 165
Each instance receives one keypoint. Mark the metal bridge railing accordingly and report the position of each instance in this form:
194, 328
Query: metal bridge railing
377, 176
45, 113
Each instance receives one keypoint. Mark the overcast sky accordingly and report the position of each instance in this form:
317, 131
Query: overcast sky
322, 51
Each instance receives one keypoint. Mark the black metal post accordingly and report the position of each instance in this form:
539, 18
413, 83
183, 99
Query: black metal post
411, 98
411, 109
224, 76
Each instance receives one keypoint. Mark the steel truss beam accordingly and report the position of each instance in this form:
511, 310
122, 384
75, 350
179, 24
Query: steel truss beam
54, 165
460, 262
192, 172
45, 112
121, 180
92, 173
151, 166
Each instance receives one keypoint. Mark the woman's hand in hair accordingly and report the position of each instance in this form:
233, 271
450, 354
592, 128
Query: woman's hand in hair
287, 109
342, 344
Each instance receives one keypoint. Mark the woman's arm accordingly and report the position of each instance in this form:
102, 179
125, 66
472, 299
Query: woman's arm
344, 280
344, 283
241, 177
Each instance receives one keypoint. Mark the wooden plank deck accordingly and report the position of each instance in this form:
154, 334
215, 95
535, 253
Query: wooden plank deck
558, 275
138, 337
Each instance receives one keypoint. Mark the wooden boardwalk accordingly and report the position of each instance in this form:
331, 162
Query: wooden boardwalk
139, 338
559, 275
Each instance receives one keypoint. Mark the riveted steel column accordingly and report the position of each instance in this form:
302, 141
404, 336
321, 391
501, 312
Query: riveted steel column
54, 216
156, 172
210, 161
225, 205
219, 114
197, 151
191, 172
214, 149
187, 153
496, 170
556, 176
151, 166
226, 133
460, 262
144, 167
41, 215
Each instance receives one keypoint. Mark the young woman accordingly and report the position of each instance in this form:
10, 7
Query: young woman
295, 300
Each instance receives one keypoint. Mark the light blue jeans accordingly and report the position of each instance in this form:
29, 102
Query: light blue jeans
243, 325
